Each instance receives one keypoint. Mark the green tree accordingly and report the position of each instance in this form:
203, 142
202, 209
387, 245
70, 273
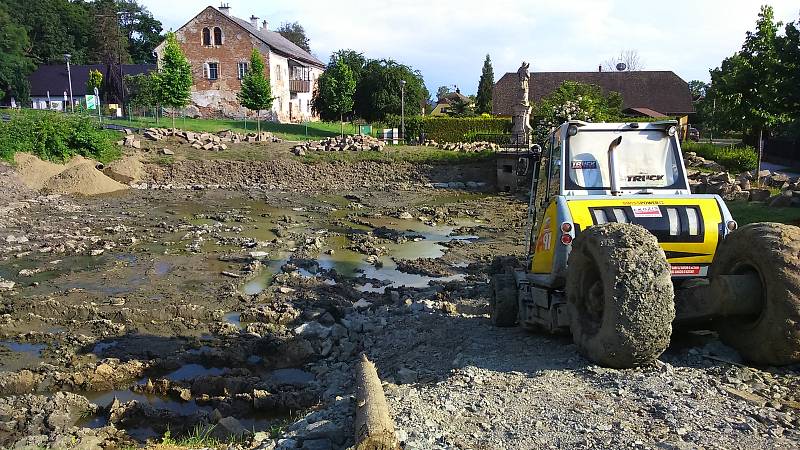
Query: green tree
697, 88
378, 93
174, 79
441, 92
337, 85
256, 93
747, 87
142, 31
14, 64
788, 47
575, 101
142, 90
295, 33
54, 27
460, 107
95, 80
483, 103
355, 61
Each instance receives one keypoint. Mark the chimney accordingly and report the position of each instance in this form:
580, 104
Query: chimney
225, 8
599, 68
264, 25
254, 22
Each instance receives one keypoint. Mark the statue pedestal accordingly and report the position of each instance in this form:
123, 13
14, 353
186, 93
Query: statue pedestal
521, 124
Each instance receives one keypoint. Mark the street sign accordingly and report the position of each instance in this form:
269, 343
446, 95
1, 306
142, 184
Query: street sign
91, 102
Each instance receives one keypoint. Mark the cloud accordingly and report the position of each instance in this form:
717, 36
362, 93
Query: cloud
447, 40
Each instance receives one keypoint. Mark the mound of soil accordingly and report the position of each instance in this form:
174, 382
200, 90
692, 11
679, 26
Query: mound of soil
82, 179
78, 176
33, 171
126, 170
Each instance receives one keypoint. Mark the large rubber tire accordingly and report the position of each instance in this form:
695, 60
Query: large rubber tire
620, 296
771, 251
504, 306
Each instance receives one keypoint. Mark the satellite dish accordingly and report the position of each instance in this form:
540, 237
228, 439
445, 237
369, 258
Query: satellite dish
621, 66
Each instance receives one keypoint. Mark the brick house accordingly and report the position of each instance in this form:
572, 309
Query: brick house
218, 46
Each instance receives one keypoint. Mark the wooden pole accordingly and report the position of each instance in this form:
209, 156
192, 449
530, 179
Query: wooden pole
374, 429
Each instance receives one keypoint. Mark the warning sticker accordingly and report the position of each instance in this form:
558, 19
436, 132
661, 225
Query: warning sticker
646, 211
584, 165
685, 270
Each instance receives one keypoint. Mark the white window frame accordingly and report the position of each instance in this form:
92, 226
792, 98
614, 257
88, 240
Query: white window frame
242, 69
208, 68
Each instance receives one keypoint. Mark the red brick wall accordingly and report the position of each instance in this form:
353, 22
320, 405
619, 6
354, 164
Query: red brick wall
237, 45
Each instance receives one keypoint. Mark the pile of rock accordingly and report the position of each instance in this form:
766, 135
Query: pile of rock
204, 141
744, 187
467, 147
692, 159
340, 144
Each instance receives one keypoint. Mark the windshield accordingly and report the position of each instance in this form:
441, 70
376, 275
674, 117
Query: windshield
645, 159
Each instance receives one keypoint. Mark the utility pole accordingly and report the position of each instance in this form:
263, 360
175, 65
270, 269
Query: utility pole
403, 109
67, 56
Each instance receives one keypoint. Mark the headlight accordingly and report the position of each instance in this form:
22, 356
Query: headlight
671, 131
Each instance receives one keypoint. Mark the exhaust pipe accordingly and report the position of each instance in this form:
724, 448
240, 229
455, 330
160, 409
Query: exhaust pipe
612, 167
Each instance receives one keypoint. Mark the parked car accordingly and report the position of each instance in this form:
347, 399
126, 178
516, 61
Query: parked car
693, 134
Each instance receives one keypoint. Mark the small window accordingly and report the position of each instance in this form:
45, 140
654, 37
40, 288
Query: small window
242, 69
277, 73
213, 71
217, 36
206, 37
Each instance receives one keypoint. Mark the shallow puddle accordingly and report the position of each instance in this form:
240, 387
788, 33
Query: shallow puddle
192, 371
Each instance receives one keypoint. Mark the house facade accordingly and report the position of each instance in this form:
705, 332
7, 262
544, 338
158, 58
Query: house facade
443, 103
218, 46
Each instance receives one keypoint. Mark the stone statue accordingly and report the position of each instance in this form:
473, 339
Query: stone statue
524, 76
521, 120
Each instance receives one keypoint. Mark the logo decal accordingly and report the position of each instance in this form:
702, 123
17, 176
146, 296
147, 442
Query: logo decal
646, 211
544, 243
685, 270
635, 178
584, 165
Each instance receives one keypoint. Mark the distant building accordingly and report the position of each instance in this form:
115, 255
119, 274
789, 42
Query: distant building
444, 102
50, 83
218, 46
644, 93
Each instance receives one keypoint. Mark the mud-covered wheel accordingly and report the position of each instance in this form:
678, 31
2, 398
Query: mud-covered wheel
504, 306
770, 251
619, 295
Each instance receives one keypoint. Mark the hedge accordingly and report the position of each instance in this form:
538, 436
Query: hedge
55, 136
735, 159
451, 129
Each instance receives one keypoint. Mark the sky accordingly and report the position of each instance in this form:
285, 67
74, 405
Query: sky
447, 40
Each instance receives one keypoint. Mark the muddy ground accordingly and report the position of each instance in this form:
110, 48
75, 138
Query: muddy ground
242, 310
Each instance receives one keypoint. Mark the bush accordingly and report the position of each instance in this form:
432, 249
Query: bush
55, 137
451, 129
735, 159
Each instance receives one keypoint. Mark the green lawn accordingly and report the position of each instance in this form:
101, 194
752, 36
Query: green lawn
287, 131
750, 212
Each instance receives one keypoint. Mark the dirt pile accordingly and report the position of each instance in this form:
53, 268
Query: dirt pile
126, 170
12, 187
79, 176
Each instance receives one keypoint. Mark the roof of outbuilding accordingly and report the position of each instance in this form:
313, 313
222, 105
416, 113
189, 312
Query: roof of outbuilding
662, 91
54, 78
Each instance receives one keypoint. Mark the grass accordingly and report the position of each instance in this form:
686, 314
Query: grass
287, 131
751, 212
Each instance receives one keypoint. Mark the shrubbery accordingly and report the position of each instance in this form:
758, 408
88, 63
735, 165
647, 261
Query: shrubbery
55, 137
735, 159
451, 129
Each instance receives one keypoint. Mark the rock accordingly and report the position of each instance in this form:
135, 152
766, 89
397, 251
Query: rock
324, 429
96, 252
166, 151
229, 427
151, 136
362, 304
405, 215
136, 144
317, 444
6, 285
759, 195
313, 329
406, 376
746, 396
